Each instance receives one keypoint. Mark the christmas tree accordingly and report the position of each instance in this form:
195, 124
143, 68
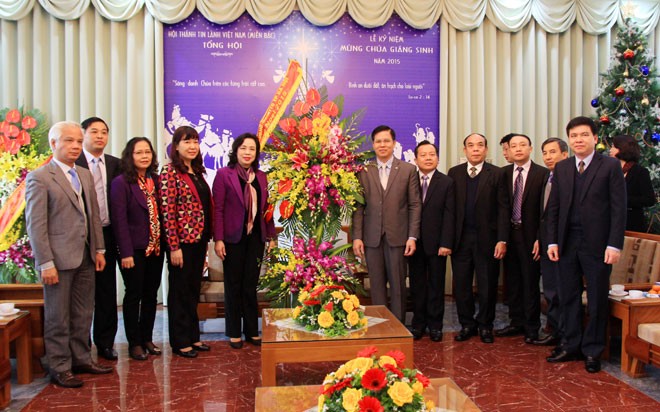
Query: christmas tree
628, 102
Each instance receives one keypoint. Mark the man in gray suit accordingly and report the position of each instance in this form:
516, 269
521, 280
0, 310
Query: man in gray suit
67, 241
386, 227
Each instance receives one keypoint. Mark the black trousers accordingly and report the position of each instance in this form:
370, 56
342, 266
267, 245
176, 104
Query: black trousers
522, 285
105, 295
427, 287
183, 296
140, 299
241, 271
550, 278
467, 261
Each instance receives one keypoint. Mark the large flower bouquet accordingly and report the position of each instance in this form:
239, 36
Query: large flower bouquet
23, 147
307, 264
369, 383
330, 309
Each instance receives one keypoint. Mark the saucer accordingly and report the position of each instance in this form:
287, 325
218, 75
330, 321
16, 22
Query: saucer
651, 295
12, 312
613, 293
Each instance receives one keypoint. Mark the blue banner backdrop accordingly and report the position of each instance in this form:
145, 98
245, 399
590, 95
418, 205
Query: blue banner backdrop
220, 78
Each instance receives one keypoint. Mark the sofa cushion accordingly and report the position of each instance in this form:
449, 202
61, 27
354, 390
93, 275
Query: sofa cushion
639, 263
212, 292
649, 332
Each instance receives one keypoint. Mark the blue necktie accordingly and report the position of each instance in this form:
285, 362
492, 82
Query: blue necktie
75, 182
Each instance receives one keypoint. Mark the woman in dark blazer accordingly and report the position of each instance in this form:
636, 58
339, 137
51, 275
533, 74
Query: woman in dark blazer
187, 210
136, 225
240, 194
638, 182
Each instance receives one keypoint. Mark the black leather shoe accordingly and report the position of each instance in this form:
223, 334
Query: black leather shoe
510, 331
417, 333
137, 353
107, 353
65, 379
486, 335
255, 342
236, 345
592, 365
201, 347
189, 354
465, 334
152, 349
529, 339
556, 351
547, 340
435, 335
93, 368
563, 356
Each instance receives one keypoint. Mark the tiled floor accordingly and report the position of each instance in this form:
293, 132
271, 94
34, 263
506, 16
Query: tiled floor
506, 376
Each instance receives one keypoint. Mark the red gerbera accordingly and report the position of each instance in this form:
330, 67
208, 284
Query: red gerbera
398, 356
370, 404
329, 306
393, 369
367, 352
338, 386
423, 380
374, 379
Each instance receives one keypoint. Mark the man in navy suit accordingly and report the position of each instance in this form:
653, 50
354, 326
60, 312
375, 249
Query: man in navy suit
428, 264
586, 223
104, 168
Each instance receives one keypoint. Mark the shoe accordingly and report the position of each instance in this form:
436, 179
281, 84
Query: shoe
65, 379
556, 351
107, 353
547, 340
510, 331
529, 339
435, 335
236, 345
563, 356
137, 353
255, 342
93, 368
465, 334
592, 365
486, 335
201, 347
152, 349
417, 333
189, 354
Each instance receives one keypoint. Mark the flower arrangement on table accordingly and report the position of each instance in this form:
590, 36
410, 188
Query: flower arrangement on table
23, 147
369, 383
330, 309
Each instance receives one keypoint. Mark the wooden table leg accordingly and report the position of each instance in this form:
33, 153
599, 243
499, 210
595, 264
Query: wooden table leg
24, 355
5, 383
625, 330
268, 368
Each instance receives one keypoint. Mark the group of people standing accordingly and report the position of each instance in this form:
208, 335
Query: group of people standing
563, 223
86, 211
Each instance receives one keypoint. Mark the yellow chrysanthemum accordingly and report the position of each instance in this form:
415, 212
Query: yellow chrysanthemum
325, 319
303, 296
296, 312
355, 300
341, 372
401, 393
353, 318
347, 305
350, 399
386, 360
337, 294
359, 365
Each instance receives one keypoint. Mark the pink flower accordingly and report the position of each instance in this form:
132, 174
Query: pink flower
23, 138
12, 130
301, 108
305, 126
13, 116
330, 108
29, 122
313, 97
288, 125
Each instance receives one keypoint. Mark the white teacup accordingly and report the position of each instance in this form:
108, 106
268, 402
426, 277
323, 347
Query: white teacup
635, 294
618, 288
6, 307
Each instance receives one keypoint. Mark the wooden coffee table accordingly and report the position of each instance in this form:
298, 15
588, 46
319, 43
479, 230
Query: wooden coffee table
443, 392
15, 328
285, 345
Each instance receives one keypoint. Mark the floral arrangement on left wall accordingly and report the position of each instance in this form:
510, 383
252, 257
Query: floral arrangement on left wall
23, 148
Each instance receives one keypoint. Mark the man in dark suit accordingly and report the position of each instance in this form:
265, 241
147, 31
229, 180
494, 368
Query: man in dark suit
524, 180
63, 224
428, 264
482, 230
554, 150
104, 169
386, 227
586, 222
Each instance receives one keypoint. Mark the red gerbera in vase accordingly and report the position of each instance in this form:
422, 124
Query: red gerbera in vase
374, 379
370, 404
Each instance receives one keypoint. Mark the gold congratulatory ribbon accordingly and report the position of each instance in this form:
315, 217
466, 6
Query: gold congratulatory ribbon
282, 98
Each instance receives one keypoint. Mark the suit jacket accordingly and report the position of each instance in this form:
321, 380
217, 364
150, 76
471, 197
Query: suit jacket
602, 204
532, 200
640, 195
229, 206
181, 208
543, 224
492, 206
395, 212
112, 170
55, 221
438, 214
130, 215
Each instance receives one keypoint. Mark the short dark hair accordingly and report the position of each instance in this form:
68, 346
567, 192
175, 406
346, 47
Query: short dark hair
233, 157
582, 121
424, 143
127, 163
563, 146
383, 128
478, 134
521, 135
88, 122
197, 164
628, 148
506, 138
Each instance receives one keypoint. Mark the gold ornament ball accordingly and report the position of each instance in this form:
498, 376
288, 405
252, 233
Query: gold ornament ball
645, 101
600, 147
